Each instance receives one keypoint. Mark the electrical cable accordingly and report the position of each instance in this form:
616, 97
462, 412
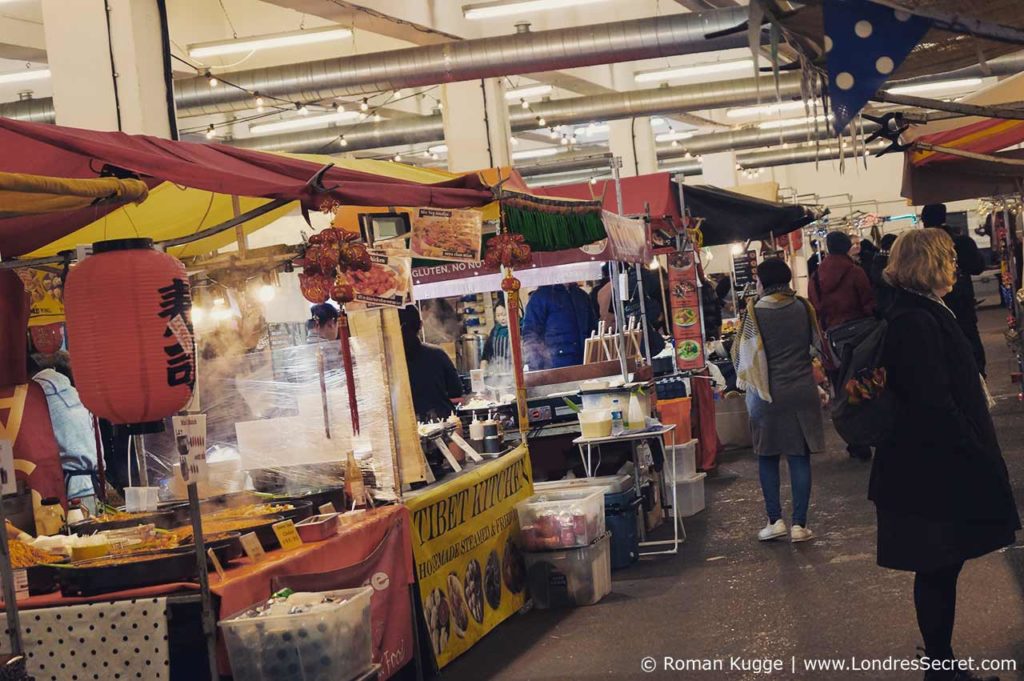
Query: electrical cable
113, 67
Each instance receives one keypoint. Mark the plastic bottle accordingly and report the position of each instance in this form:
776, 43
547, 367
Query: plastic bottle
617, 426
637, 418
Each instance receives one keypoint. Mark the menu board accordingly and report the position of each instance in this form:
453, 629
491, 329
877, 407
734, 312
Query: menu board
387, 283
442, 234
684, 294
744, 269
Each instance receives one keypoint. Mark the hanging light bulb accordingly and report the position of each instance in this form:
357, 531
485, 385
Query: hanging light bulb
398, 158
565, 140
434, 156
593, 180
376, 118
259, 102
364, 105
553, 134
440, 105
210, 132
541, 122
675, 143
342, 141
687, 155
338, 108
211, 79
398, 93
573, 138
303, 110
524, 103
654, 264
513, 141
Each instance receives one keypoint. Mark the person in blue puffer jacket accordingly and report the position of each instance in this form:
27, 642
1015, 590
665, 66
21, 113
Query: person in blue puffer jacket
558, 320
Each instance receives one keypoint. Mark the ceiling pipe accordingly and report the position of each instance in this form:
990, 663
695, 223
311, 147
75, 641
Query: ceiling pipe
462, 60
571, 111
753, 138
32, 110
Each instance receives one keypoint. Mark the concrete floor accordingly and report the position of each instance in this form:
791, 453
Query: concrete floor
727, 595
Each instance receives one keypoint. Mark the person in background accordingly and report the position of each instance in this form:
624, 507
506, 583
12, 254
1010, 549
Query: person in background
866, 253
323, 324
497, 349
712, 308
939, 484
73, 430
883, 291
842, 295
595, 291
433, 379
773, 360
815, 260
557, 322
969, 262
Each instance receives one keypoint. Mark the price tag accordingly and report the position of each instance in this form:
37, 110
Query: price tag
449, 457
327, 508
190, 438
20, 584
287, 535
252, 547
466, 447
216, 563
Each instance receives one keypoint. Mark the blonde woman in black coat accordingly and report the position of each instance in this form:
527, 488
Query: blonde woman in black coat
940, 485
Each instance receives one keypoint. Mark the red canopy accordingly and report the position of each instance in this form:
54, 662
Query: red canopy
75, 153
656, 190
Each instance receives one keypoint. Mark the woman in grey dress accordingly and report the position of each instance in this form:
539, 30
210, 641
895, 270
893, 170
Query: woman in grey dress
774, 364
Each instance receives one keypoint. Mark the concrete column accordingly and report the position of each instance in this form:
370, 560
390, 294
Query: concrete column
720, 169
476, 127
107, 79
632, 140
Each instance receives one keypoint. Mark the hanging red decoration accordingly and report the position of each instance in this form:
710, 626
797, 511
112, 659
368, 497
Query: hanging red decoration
315, 287
48, 338
129, 311
507, 250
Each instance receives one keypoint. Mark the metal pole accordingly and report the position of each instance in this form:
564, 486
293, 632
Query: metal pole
209, 621
613, 270
10, 600
139, 442
643, 311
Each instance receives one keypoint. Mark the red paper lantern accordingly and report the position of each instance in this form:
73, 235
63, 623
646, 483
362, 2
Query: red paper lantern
129, 325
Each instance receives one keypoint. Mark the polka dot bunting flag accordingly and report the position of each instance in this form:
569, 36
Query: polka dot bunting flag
865, 43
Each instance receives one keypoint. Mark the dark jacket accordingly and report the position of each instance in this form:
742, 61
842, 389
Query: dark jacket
943, 463
433, 379
840, 292
960, 300
557, 322
884, 293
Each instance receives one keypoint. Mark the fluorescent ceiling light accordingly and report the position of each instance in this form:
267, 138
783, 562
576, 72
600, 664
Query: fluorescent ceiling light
24, 76
535, 153
304, 122
767, 109
961, 84
673, 136
267, 42
493, 10
657, 122
792, 122
528, 92
439, 149
707, 69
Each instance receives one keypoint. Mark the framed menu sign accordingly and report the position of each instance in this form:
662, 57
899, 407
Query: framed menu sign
443, 234
684, 294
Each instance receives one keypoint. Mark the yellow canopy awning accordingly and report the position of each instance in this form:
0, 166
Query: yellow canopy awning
22, 194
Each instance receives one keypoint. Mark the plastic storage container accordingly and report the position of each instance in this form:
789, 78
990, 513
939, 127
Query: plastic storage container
595, 423
685, 456
329, 643
581, 576
561, 519
609, 484
690, 496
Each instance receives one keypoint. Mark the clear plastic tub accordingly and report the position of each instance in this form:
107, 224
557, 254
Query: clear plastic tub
329, 643
690, 496
581, 576
561, 519
609, 484
685, 456
595, 423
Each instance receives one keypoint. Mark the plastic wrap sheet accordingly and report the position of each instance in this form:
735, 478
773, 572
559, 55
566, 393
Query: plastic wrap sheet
266, 421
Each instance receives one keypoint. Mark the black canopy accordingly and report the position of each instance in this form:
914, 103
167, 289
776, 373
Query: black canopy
730, 217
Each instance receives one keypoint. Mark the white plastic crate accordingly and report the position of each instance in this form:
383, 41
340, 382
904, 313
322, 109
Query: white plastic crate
685, 456
690, 496
580, 576
329, 643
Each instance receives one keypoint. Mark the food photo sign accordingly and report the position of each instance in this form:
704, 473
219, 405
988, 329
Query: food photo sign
442, 234
684, 294
388, 282
469, 570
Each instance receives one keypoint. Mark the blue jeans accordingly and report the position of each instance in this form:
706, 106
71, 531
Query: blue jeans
800, 479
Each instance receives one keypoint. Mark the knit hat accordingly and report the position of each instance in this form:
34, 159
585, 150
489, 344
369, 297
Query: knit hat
838, 243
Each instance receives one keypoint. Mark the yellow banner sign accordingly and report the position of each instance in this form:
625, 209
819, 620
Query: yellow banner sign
46, 296
464, 541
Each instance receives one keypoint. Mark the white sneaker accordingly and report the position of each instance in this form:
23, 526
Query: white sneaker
799, 534
773, 531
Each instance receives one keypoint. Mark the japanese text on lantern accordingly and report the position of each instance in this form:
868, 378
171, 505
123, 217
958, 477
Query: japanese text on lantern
175, 304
